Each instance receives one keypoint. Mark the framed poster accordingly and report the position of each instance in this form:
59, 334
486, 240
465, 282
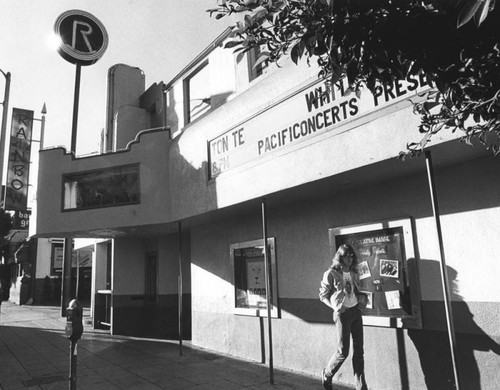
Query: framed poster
387, 270
80, 258
250, 278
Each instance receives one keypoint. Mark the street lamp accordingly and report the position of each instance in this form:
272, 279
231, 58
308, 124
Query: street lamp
3, 130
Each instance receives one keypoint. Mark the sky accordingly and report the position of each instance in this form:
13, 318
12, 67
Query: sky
158, 36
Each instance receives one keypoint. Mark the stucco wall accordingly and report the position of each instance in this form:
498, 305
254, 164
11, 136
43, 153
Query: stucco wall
125, 86
43, 258
150, 152
303, 337
362, 140
175, 180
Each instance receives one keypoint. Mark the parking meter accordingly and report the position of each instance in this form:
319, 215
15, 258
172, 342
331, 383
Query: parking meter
74, 320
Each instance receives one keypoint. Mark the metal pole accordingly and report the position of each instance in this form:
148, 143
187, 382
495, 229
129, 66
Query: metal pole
68, 242
72, 365
3, 135
77, 274
444, 272
267, 266
180, 289
66, 275
75, 108
42, 130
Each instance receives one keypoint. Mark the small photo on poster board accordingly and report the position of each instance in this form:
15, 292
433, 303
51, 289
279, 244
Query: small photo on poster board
364, 270
389, 268
382, 252
369, 299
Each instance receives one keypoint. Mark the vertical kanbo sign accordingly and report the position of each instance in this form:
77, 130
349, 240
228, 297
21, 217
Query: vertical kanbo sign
16, 197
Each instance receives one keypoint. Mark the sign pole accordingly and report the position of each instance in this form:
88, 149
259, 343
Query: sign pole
180, 289
42, 129
444, 272
68, 242
267, 266
66, 275
77, 288
76, 102
72, 364
3, 134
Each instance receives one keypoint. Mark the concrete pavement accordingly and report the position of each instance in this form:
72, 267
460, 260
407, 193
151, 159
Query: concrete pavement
34, 354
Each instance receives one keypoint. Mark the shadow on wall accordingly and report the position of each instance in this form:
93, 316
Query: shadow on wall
433, 345
172, 117
431, 342
195, 192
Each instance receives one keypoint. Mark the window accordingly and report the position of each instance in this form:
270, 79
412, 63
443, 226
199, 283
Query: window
103, 188
249, 277
197, 99
254, 70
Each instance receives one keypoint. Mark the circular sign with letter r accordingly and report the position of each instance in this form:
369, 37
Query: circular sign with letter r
83, 37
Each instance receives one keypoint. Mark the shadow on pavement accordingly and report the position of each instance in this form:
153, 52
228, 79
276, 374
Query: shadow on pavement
39, 358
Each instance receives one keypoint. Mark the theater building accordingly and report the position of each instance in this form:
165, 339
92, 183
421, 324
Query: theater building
195, 168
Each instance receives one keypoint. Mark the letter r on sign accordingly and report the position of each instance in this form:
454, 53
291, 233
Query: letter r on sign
84, 34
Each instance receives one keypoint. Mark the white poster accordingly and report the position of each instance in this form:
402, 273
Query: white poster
256, 290
393, 299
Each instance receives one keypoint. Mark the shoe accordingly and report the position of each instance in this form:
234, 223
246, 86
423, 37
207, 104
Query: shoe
326, 381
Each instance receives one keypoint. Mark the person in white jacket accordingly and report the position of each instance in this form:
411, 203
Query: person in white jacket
339, 290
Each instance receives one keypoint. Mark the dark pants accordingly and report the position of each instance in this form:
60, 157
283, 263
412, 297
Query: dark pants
349, 323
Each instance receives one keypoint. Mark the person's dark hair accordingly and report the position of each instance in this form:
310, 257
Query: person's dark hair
343, 250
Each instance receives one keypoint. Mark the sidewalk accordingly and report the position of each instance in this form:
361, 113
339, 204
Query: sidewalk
34, 354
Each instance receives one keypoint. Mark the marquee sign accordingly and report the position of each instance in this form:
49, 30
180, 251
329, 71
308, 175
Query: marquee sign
299, 118
83, 37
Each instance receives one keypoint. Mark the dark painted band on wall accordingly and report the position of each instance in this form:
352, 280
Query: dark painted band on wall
433, 314
154, 319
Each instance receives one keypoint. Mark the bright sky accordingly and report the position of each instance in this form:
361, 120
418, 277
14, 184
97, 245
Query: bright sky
158, 36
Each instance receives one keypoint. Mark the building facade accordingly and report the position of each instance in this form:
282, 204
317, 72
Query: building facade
194, 168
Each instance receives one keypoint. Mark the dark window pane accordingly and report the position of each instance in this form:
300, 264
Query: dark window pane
104, 188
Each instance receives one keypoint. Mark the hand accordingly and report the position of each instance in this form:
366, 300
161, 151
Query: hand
362, 301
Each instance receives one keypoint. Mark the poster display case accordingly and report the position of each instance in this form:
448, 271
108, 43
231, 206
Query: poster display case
250, 278
387, 270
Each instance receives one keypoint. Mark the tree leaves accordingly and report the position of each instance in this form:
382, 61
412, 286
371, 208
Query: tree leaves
297, 50
263, 57
371, 43
473, 9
